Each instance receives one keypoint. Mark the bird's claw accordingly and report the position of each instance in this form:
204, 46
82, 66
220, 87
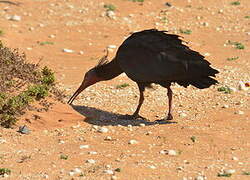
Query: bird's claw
166, 119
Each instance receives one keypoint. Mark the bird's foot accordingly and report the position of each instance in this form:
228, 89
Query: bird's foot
133, 116
166, 119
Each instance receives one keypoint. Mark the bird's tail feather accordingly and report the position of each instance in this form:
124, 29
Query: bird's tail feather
204, 82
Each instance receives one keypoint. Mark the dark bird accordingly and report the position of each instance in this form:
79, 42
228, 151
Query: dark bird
153, 56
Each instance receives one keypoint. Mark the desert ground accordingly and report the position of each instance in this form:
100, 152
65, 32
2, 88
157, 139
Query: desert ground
209, 137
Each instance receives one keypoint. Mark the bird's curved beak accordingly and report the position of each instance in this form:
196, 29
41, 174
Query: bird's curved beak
83, 86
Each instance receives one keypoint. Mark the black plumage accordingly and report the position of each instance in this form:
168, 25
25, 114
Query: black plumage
153, 56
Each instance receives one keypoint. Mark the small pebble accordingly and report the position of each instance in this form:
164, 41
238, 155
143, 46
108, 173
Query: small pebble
108, 138
15, 18
239, 112
103, 130
172, 152
152, 167
24, 130
183, 115
111, 46
67, 50
91, 161
113, 177
133, 141
84, 146
200, 178
108, 171
229, 171
142, 125
2, 141
225, 106
235, 158
92, 152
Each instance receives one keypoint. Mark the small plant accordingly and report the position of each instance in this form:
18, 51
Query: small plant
237, 45
185, 31
224, 174
48, 76
1, 32
232, 58
109, 7
38, 91
247, 17
193, 138
235, 3
121, 86
225, 89
45, 43
247, 173
65, 157
4, 171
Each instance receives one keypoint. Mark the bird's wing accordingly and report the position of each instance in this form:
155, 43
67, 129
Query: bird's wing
151, 56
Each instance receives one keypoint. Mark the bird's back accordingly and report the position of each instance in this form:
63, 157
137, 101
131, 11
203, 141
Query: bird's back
154, 56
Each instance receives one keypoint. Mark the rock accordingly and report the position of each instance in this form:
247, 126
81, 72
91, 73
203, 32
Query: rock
172, 152
235, 158
225, 106
92, 152
113, 177
111, 46
239, 112
15, 18
142, 125
24, 129
91, 161
81, 52
2, 141
183, 115
108, 171
84, 146
67, 50
152, 167
207, 54
229, 171
133, 141
200, 177
242, 86
103, 130
111, 14
108, 138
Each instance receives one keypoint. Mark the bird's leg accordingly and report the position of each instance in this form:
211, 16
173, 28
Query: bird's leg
136, 115
170, 95
141, 99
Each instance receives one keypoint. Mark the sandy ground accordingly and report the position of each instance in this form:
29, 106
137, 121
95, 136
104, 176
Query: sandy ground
209, 134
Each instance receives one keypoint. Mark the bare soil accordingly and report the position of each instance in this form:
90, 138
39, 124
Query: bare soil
210, 132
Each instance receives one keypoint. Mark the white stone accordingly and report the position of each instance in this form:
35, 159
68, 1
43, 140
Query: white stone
91, 161
152, 167
164, 152
229, 171
200, 178
133, 141
15, 18
225, 106
77, 171
67, 50
242, 86
108, 138
2, 141
239, 112
92, 152
183, 115
207, 54
113, 177
142, 124
108, 171
81, 52
172, 152
111, 46
235, 158
52, 36
103, 130
84, 146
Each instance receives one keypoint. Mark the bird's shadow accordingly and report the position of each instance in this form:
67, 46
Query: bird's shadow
104, 118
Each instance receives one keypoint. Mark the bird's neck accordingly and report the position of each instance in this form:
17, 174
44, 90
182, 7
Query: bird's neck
109, 71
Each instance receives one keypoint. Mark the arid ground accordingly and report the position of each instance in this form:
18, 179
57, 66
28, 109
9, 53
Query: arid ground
209, 137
